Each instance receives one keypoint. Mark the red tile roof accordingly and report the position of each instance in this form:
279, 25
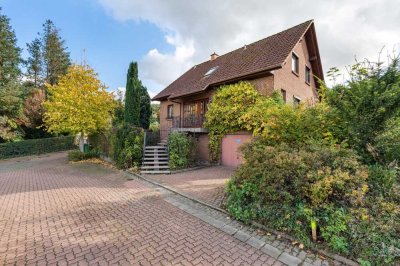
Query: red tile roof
263, 55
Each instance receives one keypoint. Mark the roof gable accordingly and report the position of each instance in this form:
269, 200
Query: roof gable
263, 55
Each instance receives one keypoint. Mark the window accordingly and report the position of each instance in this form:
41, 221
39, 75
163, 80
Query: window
170, 111
295, 63
211, 70
193, 113
283, 92
296, 101
308, 75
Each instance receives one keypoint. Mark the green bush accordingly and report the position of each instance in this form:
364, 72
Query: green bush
181, 150
127, 146
101, 142
285, 188
36, 146
77, 155
357, 208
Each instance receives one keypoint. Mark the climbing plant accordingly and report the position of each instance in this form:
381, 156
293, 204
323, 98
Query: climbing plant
229, 109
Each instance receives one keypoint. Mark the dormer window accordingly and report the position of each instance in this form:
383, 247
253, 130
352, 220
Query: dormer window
295, 63
211, 70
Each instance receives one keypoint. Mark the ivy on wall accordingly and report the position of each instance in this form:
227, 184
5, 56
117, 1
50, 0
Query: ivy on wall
226, 111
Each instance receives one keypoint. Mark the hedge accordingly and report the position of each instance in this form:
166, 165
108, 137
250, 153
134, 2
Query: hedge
36, 146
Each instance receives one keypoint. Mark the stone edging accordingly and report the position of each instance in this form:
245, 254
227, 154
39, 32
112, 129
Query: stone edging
255, 224
188, 169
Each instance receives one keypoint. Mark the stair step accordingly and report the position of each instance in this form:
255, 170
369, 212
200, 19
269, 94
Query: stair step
155, 147
155, 167
155, 162
156, 159
156, 172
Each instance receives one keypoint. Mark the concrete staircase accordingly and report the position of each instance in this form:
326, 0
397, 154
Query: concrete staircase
155, 160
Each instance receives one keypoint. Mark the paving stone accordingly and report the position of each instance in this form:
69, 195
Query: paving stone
229, 229
289, 259
271, 251
71, 214
242, 236
255, 242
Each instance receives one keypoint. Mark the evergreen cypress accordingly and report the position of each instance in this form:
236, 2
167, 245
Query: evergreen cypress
132, 96
145, 108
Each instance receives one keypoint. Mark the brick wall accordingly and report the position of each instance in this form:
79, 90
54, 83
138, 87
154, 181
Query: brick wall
202, 148
264, 85
293, 84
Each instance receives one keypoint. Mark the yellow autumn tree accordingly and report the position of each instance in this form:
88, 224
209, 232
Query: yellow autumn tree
79, 103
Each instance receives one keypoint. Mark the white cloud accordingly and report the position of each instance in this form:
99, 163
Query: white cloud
195, 29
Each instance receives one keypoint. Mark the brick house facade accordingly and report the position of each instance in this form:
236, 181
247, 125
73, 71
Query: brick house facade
288, 61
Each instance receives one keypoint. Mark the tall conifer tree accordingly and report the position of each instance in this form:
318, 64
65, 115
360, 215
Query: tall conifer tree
132, 96
10, 53
56, 59
145, 108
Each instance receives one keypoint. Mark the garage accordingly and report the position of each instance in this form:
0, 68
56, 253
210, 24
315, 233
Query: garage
230, 153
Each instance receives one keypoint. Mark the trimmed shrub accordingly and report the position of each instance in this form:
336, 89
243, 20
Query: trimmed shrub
127, 143
77, 155
181, 150
36, 146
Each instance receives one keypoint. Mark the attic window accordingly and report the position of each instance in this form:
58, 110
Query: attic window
295, 63
211, 70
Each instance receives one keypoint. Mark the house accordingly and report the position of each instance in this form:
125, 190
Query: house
288, 61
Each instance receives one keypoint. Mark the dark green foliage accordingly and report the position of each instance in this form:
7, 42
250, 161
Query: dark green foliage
10, 90
181, 150
56, 59
133, 96
387, 142
9, 52
10, 99
127, 146
101, 142
36, 146
119, 114
77, 155
364, 105
35, 62
145, 108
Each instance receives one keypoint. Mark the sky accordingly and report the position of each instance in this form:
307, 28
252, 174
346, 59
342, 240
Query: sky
167, 37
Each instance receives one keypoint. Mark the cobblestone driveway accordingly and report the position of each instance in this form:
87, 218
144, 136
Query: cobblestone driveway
52, 212
206, 184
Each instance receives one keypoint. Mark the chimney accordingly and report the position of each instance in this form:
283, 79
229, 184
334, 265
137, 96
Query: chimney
214, 56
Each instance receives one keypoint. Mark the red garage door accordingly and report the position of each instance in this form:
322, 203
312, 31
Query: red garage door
231, 155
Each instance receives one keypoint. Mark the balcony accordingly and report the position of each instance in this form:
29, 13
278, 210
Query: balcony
190, 123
